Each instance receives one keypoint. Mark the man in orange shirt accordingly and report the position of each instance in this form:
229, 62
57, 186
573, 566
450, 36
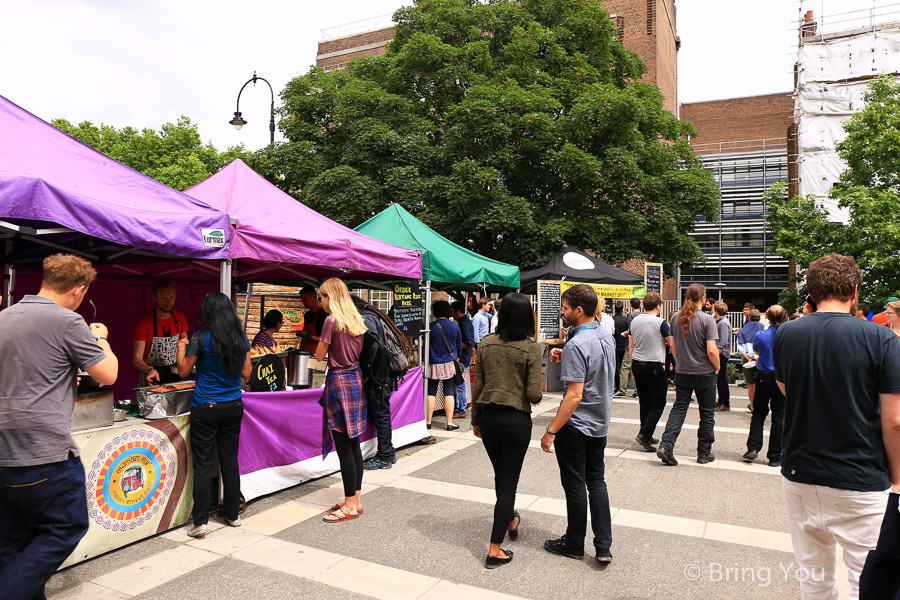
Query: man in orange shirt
881, 318
155, 337
313, 319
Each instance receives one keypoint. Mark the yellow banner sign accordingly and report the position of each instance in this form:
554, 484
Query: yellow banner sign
616, 292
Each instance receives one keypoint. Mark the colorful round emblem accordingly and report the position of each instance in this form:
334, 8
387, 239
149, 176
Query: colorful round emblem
130, 479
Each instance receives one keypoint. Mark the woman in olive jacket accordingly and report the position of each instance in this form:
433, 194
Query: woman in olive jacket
507, 383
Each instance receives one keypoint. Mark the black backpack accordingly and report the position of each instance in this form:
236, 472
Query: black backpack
397, 359
375, 365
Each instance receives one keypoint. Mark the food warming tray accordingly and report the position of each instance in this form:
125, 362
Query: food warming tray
165, 400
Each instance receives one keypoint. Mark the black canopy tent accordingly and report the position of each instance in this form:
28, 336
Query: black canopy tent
571, 264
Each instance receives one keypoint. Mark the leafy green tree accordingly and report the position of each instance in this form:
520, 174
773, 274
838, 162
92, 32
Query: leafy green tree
175, 155
509, 127
869, 189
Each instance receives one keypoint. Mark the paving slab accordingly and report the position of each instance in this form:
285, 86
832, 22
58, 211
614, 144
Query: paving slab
231, 579
448, 538
648, 486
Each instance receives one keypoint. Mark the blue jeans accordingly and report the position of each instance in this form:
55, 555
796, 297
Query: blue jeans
461, 398
43, 515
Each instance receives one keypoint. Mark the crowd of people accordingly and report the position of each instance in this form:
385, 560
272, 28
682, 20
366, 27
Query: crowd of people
830, 380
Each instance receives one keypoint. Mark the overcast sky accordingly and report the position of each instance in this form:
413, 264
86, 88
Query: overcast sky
144, 63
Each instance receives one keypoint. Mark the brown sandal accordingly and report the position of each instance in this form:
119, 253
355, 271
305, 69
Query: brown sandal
345, 515
340, 506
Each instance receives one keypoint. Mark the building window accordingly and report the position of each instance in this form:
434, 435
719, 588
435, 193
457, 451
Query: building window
651, 15
620, 28
382, 299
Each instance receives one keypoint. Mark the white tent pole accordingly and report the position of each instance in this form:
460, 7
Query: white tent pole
11, 290
427, 345
225, 277
247, 306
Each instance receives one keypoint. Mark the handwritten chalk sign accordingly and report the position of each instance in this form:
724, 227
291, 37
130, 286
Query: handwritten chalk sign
407, 308
549, 323
653, 277
268, 374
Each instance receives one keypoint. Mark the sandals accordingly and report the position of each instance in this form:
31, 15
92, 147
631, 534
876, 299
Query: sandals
345, 515
340, 506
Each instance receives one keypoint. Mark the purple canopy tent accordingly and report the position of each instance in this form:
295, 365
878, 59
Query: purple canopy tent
275, 237
58, 194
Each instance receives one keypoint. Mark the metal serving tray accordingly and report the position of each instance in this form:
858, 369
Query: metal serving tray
161, 405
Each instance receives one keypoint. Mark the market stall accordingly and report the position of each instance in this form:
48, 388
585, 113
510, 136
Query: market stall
59, 195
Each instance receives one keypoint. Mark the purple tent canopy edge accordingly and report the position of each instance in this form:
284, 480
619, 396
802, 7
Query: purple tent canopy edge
291, 240
47, 175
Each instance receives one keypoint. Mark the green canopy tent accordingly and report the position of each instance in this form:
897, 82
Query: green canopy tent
445, 266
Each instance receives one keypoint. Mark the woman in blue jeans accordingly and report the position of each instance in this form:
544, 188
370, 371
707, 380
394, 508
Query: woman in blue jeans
221, 353
507, 383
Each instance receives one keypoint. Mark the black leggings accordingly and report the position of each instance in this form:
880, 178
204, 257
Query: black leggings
350, 456
506, 433
449, 387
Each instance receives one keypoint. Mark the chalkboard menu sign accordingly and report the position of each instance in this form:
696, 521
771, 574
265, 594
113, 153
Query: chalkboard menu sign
407, 308
549, 325
267, 374
653, 277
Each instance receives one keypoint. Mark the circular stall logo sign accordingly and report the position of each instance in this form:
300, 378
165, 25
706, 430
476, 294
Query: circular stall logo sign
130, 480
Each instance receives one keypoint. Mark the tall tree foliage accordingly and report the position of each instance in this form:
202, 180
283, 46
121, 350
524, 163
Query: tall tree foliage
869, 189
509, 127
175, 155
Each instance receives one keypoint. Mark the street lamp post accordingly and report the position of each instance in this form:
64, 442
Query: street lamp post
720, 285
239, 122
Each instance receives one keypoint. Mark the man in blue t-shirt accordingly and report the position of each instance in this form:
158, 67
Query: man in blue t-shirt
841, 455
579, 429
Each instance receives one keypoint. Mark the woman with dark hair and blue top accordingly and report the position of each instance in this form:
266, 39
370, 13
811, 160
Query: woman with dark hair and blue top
507, 384
446, 347
221, 353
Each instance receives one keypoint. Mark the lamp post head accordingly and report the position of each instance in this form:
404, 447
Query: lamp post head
237, 121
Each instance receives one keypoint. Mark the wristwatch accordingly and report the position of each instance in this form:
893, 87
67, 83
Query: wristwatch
101, 338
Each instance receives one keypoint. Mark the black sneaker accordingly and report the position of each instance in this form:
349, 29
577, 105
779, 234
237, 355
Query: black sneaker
644, 443
774, 462
635, 395
376, 463
702, 459
561, 546
604, 556
654, 440
666, 456
750, 455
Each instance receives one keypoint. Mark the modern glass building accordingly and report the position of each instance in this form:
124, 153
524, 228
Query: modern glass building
738, 248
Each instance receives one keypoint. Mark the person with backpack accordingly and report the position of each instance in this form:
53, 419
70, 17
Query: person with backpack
446, 346
380, 373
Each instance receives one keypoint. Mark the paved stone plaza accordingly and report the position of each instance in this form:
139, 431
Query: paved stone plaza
691, 531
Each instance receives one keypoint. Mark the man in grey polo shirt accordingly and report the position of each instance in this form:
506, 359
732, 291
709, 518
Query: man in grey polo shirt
579, 429
43, 508
648, 356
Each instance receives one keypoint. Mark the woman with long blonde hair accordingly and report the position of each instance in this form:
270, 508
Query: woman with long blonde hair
693, 338
344, 417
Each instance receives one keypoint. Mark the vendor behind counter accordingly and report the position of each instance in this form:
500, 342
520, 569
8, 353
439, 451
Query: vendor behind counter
313, 319
155, 337
271, 324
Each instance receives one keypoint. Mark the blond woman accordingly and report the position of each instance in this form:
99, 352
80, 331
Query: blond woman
344, 418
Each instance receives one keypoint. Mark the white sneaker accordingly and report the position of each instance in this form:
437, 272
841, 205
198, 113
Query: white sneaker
235, 523
198, 530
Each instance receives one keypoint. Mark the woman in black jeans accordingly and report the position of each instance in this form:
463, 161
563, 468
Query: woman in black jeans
220, 351
507, 383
